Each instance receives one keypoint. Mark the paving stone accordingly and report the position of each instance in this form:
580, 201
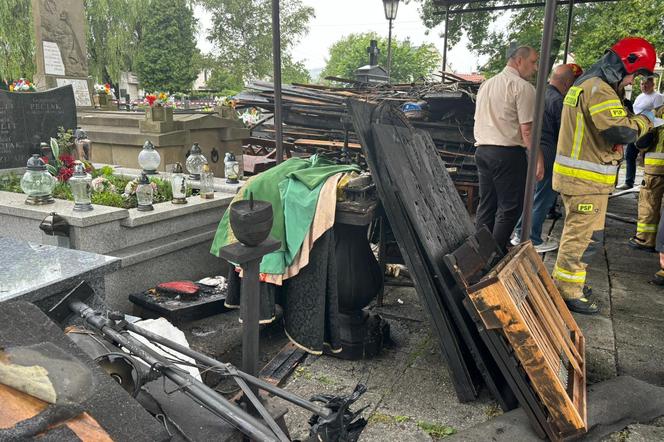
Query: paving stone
600, 365
645, 303
598, 331
640, 350
430, 397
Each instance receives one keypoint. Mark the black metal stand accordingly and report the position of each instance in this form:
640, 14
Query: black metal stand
249, 259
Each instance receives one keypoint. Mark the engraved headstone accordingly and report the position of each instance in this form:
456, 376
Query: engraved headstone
26, 119
61, 48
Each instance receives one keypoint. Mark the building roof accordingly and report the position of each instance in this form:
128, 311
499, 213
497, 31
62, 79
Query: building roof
474, 77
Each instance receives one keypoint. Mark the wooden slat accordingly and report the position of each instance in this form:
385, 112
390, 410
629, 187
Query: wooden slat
520, 295
18, 406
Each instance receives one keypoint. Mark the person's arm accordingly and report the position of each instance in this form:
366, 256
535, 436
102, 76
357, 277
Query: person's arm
526, 135
612, 120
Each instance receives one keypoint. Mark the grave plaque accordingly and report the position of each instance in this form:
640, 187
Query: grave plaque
27, 119
61, 47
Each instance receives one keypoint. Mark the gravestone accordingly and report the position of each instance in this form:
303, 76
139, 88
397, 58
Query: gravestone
61, 49
26, 119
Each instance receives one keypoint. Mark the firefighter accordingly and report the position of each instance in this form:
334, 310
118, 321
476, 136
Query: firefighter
652, 189
594, 128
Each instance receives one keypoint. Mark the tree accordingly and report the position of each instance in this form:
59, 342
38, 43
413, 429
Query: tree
242, 33
113, 36
409, 62
168, 47
17, 40
594, 28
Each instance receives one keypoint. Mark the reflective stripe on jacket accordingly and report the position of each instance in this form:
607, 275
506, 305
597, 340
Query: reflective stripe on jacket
593, 121
654, 157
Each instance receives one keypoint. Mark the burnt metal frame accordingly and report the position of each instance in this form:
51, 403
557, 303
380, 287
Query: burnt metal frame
115, 330
547, 37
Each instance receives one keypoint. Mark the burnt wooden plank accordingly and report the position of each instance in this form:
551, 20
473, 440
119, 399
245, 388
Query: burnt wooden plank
520, 296
464, 376
283, 364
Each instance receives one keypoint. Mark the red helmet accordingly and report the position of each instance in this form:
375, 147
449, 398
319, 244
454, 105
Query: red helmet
637, 55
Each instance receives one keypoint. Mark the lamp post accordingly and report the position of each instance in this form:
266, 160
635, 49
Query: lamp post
391, 7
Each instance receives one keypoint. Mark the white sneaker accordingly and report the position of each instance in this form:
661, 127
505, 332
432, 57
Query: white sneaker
514, 241
547, 246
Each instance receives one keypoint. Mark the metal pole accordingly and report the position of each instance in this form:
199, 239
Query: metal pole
569, 30
276, 56
447, 22
219, 405
547, 36
389, 53
263, 385
250, 309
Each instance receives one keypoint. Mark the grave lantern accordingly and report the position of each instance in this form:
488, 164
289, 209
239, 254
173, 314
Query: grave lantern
149, 158
81, 187
178, 185
207, 183
37, 183
231, 168
195, 162
144, 194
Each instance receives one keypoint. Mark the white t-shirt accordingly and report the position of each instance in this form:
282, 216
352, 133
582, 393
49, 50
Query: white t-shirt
647, 102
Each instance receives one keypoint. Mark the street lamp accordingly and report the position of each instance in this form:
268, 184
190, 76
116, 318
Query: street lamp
391, 7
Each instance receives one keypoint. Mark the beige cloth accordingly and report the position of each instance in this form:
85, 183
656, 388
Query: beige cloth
503, 103
322, 222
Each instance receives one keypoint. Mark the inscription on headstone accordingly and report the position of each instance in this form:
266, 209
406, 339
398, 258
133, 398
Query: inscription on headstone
27, 119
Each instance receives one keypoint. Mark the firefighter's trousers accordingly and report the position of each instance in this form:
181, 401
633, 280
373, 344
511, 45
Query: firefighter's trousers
650, 202
583, 235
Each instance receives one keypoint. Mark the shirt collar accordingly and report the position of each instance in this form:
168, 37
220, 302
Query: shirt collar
511, 70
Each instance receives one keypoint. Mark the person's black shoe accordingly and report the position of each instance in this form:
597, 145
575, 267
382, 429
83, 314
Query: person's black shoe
635, 243
658, 279
582, 305
624, 186
587, 291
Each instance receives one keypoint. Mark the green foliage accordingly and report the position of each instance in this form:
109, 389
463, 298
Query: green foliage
223, 79
409, 62
294, 72
10, 183
242, 32
113, 36
17, 40
62, 191
594, 28
112, 199
65, 140
436, 430
167, 47
106, 171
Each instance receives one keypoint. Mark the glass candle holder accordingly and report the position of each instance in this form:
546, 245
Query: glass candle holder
37, 183
81, 187
178, 185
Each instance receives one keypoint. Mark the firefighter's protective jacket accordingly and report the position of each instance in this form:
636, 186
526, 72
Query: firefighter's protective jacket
654, 155
593, 121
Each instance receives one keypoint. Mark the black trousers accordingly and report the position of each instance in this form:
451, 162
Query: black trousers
502, 174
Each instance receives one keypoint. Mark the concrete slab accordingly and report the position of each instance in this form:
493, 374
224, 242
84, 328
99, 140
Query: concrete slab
640, 350
605, 414
428, 396
638, 433
597, 329
646, 302
600, 365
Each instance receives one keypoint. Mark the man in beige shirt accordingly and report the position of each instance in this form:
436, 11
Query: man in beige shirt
503, 122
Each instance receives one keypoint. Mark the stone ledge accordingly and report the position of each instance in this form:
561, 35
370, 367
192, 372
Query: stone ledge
167, 210
142, 252
14, 204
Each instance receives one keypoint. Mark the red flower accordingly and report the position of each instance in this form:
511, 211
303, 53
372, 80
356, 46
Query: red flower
65, 174
44, 159
67, 160
151, 99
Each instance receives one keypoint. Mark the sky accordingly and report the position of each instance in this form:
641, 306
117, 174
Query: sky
338, 18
